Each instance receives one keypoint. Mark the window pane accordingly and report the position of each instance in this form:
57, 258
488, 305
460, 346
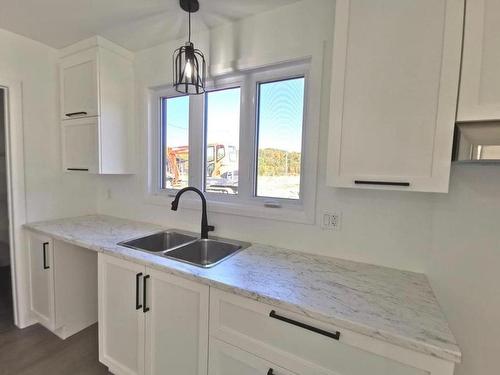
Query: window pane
280, 120
175, 143
223, 134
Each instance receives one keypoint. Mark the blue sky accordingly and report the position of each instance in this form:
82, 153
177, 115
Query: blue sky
280, 116
177, 121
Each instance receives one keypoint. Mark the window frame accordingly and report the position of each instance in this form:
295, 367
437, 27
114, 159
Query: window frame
270, 76
162, 133
246, 202
224, 83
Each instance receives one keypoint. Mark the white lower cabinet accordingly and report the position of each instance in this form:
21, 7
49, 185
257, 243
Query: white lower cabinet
176, 326
42, 279
283, 340
154, 323
121, 319
227, 359
63, 285
151, 322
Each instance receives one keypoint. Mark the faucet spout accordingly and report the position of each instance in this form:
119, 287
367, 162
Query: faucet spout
205, 228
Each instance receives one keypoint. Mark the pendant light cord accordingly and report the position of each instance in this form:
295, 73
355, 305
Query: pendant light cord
189, 24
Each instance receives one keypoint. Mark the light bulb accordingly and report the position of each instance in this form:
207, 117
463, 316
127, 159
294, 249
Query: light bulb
188, 71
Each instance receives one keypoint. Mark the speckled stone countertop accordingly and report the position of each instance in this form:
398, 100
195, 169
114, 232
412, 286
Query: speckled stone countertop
395, 306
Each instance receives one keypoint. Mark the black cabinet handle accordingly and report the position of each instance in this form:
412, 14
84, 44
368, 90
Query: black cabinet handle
270, 372
333, 335
145, 309
44, 250
382, 183
76, 114
137, 281
78, 169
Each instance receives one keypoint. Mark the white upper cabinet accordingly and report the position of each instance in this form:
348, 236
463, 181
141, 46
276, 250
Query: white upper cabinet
97, 101
394, 89
79, 85
480, 80
80, 139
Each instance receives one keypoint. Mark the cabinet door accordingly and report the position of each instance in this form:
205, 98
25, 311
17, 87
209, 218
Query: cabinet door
121, 319
80, 141
480, 80
42, 279
176, 326
226, 359
394, 88
79, 85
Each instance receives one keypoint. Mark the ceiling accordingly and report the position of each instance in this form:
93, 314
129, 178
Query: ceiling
134, 24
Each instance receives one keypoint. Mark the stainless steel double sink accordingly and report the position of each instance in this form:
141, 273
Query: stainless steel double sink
187, 247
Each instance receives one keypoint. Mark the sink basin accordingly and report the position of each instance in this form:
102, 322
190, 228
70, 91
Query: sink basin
159, 242
187, 248
206, 252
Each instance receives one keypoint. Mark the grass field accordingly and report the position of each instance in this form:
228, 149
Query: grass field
278, 186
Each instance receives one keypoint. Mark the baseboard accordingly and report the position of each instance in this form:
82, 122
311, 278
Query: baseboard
26, 323
64, 332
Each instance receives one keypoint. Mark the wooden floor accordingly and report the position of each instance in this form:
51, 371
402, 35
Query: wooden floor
36, 351
5, 301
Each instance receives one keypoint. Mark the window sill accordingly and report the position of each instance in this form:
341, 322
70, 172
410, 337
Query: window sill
285, 213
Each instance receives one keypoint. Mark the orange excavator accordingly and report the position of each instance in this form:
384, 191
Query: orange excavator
177, 163
222, 166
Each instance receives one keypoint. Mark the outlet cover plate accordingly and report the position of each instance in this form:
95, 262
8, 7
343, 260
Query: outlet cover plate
331, 221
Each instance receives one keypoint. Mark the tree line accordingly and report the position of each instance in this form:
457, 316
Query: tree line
274, 162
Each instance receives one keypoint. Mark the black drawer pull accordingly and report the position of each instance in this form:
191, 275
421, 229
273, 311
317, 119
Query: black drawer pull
44, 250
382, 183
145, 309
78, 169
333, 335
76, 114
137, 281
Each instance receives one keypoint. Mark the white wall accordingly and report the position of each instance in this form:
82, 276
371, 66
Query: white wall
49, 192
464, 266
389, 228
4, 222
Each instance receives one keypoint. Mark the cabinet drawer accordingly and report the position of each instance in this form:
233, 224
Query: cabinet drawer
226, 359
247, 324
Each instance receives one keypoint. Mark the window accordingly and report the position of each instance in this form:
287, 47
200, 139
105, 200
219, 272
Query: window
222, 134
280, 119
244, 143
175, 142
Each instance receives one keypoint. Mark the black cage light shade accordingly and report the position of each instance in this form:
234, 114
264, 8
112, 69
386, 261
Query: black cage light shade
189, 70
188, 62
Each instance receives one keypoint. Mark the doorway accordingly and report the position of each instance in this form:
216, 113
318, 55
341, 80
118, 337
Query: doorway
6, 309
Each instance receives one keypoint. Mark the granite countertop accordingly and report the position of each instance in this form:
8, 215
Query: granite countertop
394, 306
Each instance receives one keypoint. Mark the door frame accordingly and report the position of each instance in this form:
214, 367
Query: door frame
16, 198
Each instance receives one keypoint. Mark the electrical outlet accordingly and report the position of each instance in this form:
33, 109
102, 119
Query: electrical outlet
331, 221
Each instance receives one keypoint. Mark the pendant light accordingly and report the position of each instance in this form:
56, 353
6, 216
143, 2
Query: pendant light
188, 62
